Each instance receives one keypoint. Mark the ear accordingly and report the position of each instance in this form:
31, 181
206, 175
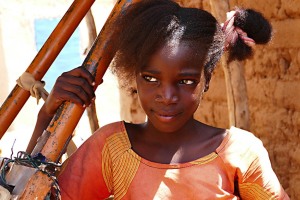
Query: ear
133, 90
206, 87
207, 80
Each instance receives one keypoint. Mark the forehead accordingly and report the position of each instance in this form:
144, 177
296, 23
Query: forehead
183, 53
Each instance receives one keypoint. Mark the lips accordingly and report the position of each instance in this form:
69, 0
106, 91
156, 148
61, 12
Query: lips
166, 116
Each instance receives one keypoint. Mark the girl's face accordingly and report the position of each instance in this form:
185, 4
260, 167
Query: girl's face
170, 86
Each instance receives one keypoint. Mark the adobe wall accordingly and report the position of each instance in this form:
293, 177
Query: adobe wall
273, 87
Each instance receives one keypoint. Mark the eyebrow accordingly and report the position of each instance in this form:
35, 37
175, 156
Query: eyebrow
184, 74
190, 74
151, 71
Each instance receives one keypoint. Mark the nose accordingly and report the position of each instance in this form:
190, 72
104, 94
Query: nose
167, 94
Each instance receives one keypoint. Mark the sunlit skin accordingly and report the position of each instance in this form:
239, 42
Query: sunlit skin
170, 88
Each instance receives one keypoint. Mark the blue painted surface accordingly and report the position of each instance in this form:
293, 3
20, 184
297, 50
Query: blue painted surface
68, 58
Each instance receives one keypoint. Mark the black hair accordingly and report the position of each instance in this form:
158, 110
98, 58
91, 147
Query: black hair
257, 28
148, 25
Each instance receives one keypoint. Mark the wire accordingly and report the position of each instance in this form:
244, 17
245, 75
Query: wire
38, 162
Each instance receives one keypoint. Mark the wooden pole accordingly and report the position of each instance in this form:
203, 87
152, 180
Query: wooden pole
236, 88
92, 35
43, 60
237, 94
91, 110
67, 116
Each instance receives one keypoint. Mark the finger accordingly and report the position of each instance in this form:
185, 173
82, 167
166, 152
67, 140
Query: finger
74, 98
76, 81
84, 92
82, 72
58, 96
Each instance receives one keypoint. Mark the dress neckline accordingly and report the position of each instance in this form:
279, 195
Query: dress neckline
202, 160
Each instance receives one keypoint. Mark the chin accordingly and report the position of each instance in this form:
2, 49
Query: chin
166, 127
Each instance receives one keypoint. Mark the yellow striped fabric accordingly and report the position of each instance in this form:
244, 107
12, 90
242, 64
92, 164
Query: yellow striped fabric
205, 159
119, 167
254, 191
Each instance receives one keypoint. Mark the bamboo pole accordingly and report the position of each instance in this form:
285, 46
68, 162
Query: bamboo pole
236, 88
67, 116
43, 60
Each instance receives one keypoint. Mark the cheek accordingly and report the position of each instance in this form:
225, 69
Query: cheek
142, 93
145, 96
197, 95
145, 101
199, 90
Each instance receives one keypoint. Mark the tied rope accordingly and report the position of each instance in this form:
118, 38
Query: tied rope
36, 88
38, 162
232, 33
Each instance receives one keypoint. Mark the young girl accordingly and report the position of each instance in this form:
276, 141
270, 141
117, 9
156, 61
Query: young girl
170, 52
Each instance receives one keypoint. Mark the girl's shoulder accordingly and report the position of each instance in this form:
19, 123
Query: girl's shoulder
113, 133
110, 129
239, 139
110, 139
240, 148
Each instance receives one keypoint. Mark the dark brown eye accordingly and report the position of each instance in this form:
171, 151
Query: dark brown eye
150, 78
187, 82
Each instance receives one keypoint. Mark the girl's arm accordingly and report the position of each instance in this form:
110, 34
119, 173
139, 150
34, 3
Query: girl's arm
75, 86
41, 124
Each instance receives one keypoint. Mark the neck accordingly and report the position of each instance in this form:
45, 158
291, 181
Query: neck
177, 137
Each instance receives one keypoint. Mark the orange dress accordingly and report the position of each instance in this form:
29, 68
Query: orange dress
106, 165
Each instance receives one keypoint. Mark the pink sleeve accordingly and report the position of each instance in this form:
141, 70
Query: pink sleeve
81, 176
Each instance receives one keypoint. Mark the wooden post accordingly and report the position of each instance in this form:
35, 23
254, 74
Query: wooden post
92, 35
236, 88
236, 94
43, 60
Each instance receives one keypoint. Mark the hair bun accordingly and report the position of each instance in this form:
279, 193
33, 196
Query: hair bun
257, 28
254, 24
